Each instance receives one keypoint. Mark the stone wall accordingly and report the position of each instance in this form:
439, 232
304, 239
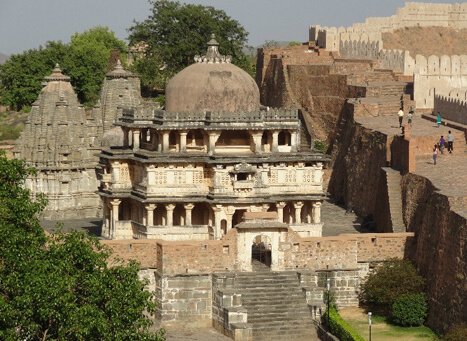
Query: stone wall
439, 249
412, 14
452, 107
359, 154
198, 256
143, 251
184, 299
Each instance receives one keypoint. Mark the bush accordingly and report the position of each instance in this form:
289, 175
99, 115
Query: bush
340, 328
456, 333
320, 146
389, 281
410, 310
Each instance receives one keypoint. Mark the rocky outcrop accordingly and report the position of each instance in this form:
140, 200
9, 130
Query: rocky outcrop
440, 250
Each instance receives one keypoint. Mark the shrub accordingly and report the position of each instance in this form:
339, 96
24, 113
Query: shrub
340, 328
410, 310
320, 146
456, 333
389, 281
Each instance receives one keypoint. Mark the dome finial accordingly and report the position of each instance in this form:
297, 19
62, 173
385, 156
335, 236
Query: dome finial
212, 54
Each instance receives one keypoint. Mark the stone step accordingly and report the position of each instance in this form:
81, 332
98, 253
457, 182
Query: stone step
273, 317
275, 307
277, 293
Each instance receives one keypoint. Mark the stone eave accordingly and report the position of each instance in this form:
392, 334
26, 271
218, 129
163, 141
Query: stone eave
186, 158
208, 198
189, 125
261, 225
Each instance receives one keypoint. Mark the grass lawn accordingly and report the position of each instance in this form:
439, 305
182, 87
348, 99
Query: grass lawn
382, 331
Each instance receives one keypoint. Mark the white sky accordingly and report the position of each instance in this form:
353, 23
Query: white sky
26, 24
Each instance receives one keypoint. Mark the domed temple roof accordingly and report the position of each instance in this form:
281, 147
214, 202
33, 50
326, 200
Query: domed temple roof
212, 84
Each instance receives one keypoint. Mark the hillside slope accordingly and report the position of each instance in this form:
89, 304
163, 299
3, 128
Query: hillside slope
427, 40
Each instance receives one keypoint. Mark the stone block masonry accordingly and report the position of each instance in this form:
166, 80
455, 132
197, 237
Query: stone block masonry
184, 299
172, 258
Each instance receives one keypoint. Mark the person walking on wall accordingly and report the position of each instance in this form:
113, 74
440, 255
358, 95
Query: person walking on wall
441, 144
450, 142
410, 116
400, 114
438, 119
435, 153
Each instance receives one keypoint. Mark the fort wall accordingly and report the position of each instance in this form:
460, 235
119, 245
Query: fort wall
439, 251
452, 107
433, 74
412, 14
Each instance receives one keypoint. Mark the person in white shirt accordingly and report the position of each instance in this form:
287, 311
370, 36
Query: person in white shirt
450, 142
401, 117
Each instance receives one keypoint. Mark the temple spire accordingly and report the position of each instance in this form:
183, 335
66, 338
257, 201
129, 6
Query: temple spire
212, 54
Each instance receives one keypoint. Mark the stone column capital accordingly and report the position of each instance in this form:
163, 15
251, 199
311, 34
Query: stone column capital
317, 204
115, 202
189, 206
169, 207
298, 204
281, 204
150, 207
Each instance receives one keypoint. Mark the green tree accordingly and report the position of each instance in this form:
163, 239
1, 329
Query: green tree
22, 74
389, 281
87, 61
175, 33
61, 287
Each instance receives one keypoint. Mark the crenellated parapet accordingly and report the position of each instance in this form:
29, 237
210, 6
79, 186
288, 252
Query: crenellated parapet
413, 14
453, 105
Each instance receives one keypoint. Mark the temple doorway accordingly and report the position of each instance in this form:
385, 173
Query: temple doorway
261, 253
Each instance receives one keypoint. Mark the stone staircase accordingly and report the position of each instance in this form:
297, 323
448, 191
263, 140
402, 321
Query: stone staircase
393, 180
275, 306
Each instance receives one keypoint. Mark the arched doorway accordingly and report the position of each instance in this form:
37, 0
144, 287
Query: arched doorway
261, 250
224, 227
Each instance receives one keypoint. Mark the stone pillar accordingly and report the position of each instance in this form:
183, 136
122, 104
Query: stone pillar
106, 218
170, 214
165, 141
115, 172
316, 212
280, 211
256, 137
298, 212
293, 141
115, 210
217, 221
126, 138
136, 139
183, 141
150, 214
188, 213
275, 141
265, 207
213, 136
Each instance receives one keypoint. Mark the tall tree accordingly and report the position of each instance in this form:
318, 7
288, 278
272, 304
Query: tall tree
61, 287
175, 33
22, 74
84, 59
87, 61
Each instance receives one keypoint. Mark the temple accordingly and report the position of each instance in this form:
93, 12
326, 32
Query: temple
191, 171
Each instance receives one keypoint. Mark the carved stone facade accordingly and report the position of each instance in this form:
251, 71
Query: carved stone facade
62, 140
191, 171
